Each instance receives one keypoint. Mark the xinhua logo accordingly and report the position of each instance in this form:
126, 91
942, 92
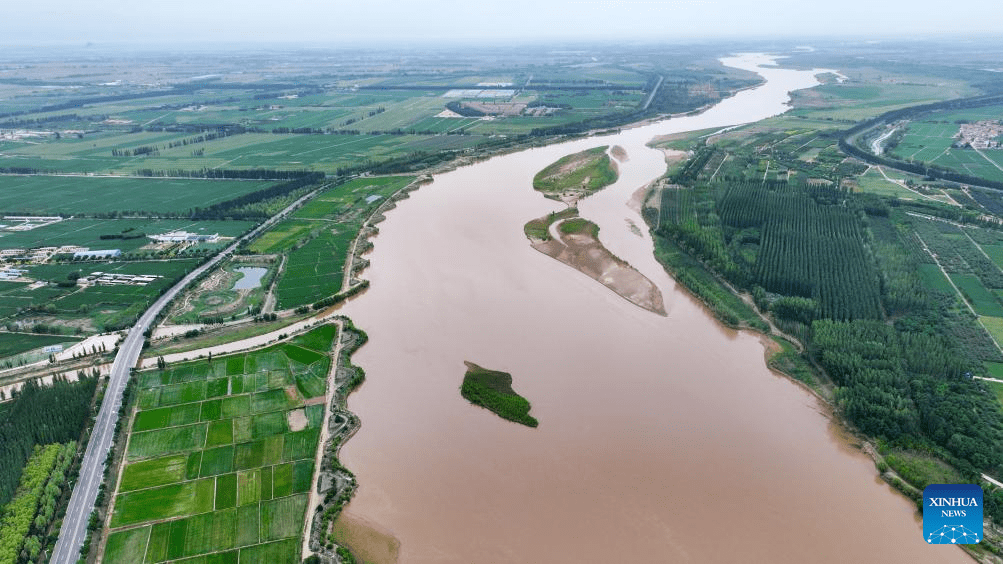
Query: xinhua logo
952, 514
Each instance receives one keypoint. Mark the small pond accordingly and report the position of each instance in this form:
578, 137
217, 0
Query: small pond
251, 277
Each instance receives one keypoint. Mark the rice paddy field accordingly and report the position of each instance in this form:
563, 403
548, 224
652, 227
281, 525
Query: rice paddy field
220, 457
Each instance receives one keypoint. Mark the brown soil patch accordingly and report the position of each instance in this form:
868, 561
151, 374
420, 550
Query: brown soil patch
448, 114
582, 159
619, 153
292, 393
587, 255
315, 401
638, 198
770, 347
85, 324
810, 98
673, 156
296, 419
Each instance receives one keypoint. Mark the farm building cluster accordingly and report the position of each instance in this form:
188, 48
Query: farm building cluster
12, 274
26, 222
37, 255
42, 255
97, 254
185, 237
113, 279
181, 240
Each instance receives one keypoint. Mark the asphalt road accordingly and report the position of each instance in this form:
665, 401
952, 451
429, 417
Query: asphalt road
653, 92
85, 491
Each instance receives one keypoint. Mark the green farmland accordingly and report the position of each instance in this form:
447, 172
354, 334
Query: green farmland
345, 117
325, 153
933, 278
931, 139
16, 343
49, 294
870, 96
88, 232
78, 195
120, 162
318, 237
983, 301
96, 307
994, 325
221, 457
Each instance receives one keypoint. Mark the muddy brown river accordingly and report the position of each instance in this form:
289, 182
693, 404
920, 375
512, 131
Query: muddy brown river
661, 439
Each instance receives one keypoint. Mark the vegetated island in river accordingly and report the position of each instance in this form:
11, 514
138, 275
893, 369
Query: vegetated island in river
575, 176
574, 240
492, 389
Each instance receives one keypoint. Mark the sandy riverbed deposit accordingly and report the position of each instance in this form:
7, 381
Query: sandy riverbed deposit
584, 252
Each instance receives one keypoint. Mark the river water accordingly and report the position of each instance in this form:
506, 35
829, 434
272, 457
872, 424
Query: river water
661, 439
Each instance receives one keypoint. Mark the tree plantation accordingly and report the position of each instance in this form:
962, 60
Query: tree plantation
40, 416
846, 273
791, 240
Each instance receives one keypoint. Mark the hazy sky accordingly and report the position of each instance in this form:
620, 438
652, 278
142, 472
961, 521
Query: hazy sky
340, 21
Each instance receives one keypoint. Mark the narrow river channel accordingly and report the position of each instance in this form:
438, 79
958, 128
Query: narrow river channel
661, 439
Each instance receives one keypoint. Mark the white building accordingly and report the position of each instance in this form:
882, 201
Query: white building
185, 237
109, 253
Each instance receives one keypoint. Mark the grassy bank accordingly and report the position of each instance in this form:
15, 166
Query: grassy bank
493, 390
792, 363
539, 228
587, 171
693, 276
580, 226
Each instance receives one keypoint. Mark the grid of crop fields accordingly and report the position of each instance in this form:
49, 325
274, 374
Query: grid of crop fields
318, 237
931, 140
221, 457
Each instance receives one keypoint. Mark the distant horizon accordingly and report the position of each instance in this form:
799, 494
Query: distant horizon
118, 22
223, 44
